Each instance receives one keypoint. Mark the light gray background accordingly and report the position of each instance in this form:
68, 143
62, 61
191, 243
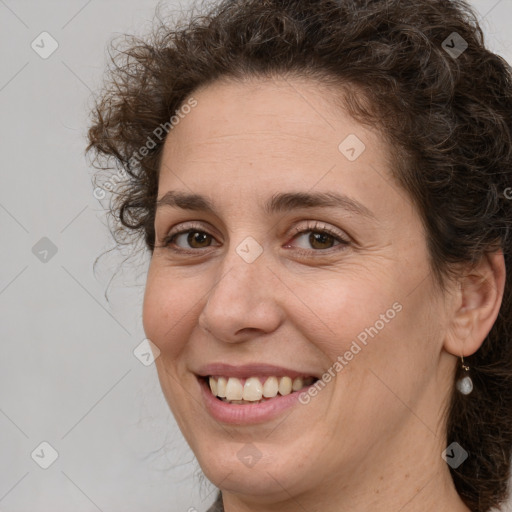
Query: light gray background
68, 373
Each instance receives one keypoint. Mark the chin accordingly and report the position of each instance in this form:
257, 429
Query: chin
243, 469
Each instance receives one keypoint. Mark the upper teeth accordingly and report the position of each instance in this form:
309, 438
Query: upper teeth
253, 390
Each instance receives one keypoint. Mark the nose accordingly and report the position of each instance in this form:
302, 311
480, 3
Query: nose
242, 303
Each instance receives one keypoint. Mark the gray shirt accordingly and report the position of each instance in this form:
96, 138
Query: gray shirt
217, 506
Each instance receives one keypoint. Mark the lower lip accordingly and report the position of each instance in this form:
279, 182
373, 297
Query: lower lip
242, 414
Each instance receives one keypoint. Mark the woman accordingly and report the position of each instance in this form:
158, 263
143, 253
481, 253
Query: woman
324, 188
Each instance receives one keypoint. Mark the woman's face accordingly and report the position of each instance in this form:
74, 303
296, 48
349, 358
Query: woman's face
270, 284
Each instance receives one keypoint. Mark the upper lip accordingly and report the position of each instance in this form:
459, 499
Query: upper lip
251, 370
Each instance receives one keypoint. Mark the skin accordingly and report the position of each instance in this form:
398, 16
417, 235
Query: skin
372, 438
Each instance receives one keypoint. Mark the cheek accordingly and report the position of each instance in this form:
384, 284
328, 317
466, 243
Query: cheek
167, 307
354, 307
372, 327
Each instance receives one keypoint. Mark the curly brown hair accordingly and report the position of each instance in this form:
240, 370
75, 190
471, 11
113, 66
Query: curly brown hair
416, 69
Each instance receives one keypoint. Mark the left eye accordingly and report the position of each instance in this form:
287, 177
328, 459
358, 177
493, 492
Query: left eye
320, 239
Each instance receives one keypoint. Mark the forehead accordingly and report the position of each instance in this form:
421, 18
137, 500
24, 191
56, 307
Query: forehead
261, 136
281, 119
296, 103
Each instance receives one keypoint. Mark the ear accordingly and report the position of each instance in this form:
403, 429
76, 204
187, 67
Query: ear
476, 305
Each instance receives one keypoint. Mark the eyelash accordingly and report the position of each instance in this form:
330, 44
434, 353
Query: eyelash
315, 227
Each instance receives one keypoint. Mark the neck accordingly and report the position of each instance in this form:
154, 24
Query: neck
410, 477
430, 492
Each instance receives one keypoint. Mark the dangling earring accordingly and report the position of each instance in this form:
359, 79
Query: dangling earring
465, 384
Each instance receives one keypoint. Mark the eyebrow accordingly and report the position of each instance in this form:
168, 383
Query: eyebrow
280, 202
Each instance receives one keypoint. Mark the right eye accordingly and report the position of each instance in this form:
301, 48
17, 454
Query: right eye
188, 240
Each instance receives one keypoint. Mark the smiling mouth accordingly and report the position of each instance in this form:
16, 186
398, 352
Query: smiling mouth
254, 390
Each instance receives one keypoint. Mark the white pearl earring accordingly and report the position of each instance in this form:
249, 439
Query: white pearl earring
465, 384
